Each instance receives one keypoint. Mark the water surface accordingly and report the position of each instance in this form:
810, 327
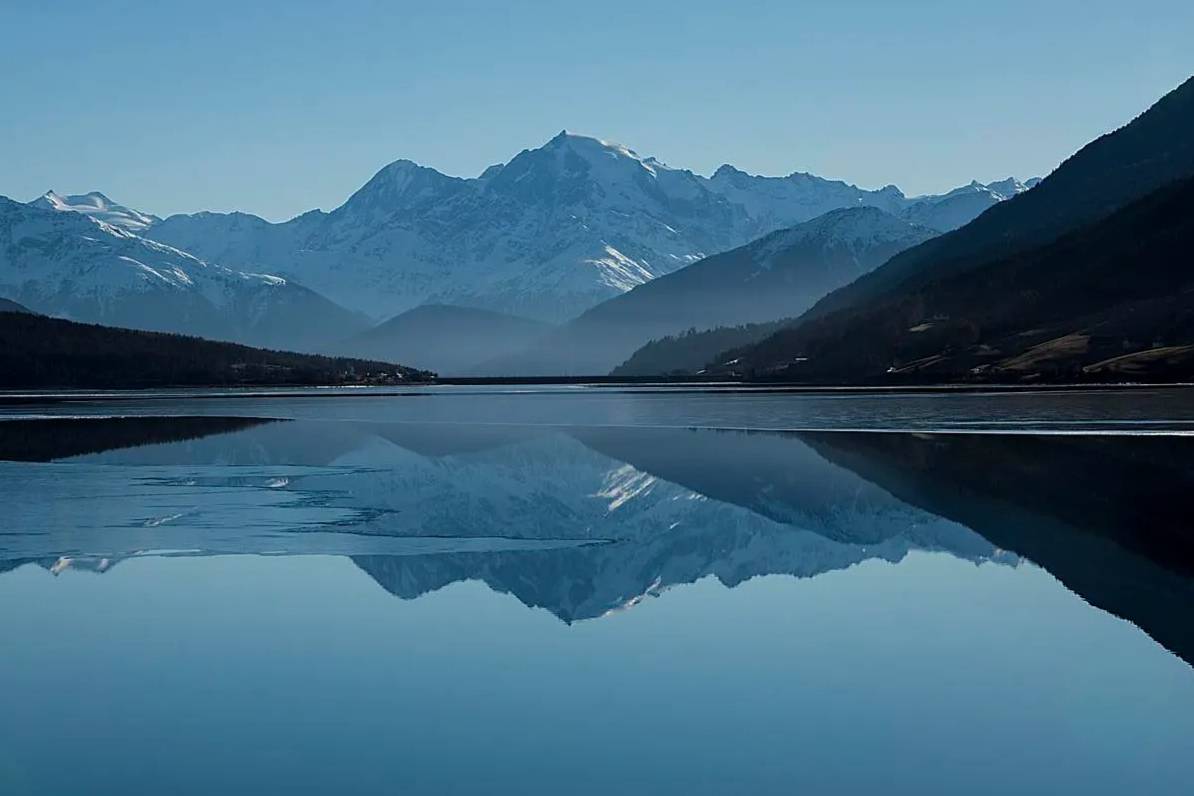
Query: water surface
594, 590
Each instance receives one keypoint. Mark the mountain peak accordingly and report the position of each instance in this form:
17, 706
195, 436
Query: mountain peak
587, 144
727, 172
402, 164
400, 185
549, 233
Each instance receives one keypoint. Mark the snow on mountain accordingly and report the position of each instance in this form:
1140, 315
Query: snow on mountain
101, 208
59, 259
554, 231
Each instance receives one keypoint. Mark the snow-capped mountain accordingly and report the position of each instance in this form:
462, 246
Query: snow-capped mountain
554, 231
777, 276
59, 258
101, 208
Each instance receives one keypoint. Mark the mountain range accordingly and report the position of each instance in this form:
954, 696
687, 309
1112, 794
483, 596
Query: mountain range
547, 235
551, 233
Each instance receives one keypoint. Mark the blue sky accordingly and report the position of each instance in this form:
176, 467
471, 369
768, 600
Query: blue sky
276, 108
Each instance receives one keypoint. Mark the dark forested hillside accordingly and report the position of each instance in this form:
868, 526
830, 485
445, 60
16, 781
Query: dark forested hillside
60, 438
1112, 301
40, 352
689, 353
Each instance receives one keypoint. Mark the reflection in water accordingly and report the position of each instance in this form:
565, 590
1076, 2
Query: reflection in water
1111, 517
584, 521
60, 438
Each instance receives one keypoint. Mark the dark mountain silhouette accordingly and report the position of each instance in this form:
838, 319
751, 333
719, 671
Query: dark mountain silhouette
445, 338
776, 276
1104, 177
58, 438
1110, 301
37, 352
1110, 172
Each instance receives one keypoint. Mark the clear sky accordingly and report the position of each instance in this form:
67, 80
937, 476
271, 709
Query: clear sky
276, 108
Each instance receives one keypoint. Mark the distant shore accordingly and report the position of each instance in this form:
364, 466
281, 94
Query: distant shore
30, 397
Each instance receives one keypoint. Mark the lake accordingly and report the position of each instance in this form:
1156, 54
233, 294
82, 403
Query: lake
593, 590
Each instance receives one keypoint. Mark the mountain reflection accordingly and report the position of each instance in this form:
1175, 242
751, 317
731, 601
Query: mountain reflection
61, 438
585, 521
1108, 516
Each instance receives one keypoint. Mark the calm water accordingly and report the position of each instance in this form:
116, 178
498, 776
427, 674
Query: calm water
598, 591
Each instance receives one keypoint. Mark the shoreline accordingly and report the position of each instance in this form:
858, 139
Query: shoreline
515, 387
